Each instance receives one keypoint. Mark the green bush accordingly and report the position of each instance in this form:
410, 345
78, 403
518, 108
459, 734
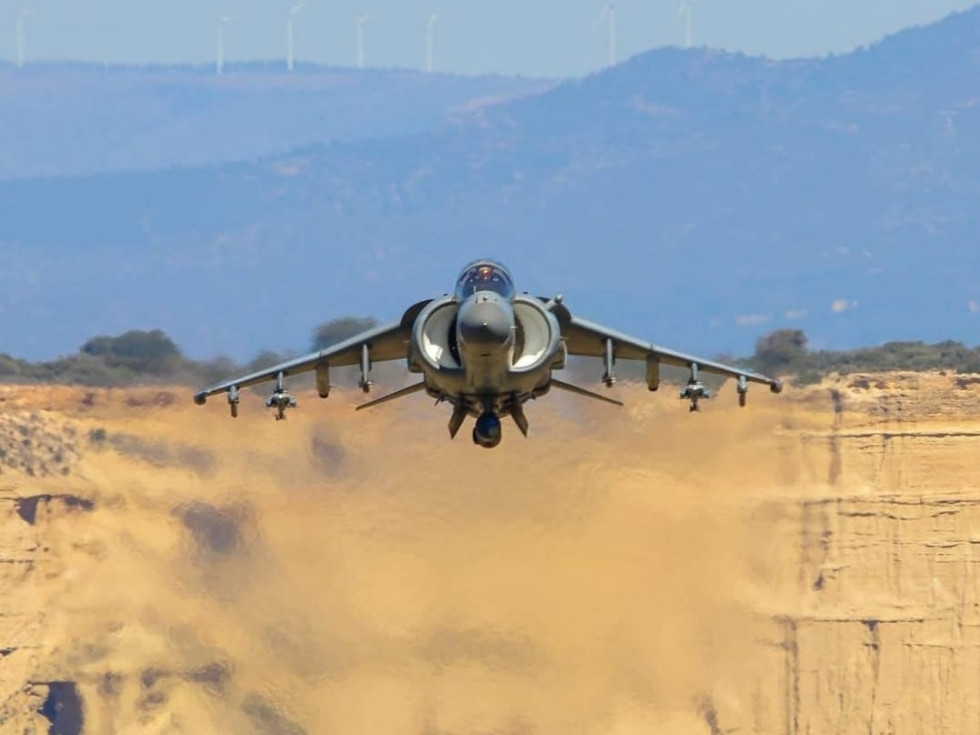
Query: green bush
781, 352
784, 352
152, 353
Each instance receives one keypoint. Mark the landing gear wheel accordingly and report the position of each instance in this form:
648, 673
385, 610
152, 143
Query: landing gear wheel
487, 432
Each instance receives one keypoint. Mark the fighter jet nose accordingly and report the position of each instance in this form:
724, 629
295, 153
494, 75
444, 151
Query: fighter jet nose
486, 321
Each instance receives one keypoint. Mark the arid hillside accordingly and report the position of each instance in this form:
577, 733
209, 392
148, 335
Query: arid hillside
807, 565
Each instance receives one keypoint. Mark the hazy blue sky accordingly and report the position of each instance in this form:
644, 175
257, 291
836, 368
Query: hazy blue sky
553, 37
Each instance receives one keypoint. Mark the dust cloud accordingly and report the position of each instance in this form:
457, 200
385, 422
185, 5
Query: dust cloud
352, 573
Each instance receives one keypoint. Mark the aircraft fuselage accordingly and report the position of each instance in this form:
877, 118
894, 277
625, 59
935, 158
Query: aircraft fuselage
486, 350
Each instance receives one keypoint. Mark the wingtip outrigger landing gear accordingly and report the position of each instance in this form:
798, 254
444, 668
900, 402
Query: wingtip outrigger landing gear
694, 391
281, 399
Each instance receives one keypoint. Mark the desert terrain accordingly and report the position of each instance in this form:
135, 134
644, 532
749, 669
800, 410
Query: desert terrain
807, 565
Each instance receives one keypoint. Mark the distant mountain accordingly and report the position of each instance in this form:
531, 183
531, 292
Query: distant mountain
72, 119
695, 197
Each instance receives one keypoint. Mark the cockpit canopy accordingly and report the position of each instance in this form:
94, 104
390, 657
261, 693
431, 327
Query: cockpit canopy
484, 276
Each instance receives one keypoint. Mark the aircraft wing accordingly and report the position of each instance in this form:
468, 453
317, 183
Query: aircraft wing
588, 339
387, 342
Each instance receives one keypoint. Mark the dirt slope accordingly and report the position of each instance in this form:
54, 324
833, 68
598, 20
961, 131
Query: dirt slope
807, 565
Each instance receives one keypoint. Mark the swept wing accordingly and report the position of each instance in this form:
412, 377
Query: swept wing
386, 342
594, 340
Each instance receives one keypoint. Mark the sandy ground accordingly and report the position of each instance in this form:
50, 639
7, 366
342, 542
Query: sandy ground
805, 565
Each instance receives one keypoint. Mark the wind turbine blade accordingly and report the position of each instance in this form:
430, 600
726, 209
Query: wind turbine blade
583, 392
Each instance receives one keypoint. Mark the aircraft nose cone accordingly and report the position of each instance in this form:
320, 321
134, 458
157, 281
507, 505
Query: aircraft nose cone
485, 321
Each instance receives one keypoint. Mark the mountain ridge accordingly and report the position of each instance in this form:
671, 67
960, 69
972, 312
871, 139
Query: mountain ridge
695, 198
74, 119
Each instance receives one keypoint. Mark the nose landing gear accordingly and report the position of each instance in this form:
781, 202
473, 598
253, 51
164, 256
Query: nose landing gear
487, 432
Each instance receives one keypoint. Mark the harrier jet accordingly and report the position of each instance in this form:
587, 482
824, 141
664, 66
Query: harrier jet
486, 350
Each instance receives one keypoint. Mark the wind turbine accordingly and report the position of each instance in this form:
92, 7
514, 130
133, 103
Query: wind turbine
609, 15
290, 20
685, 10
219, 64
361, 20
20, 24
430, 31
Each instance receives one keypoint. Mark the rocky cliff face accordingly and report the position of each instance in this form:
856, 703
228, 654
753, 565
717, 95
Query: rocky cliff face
882, 634
804, 566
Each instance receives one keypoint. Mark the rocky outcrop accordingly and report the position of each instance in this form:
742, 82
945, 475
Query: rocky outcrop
879, 633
